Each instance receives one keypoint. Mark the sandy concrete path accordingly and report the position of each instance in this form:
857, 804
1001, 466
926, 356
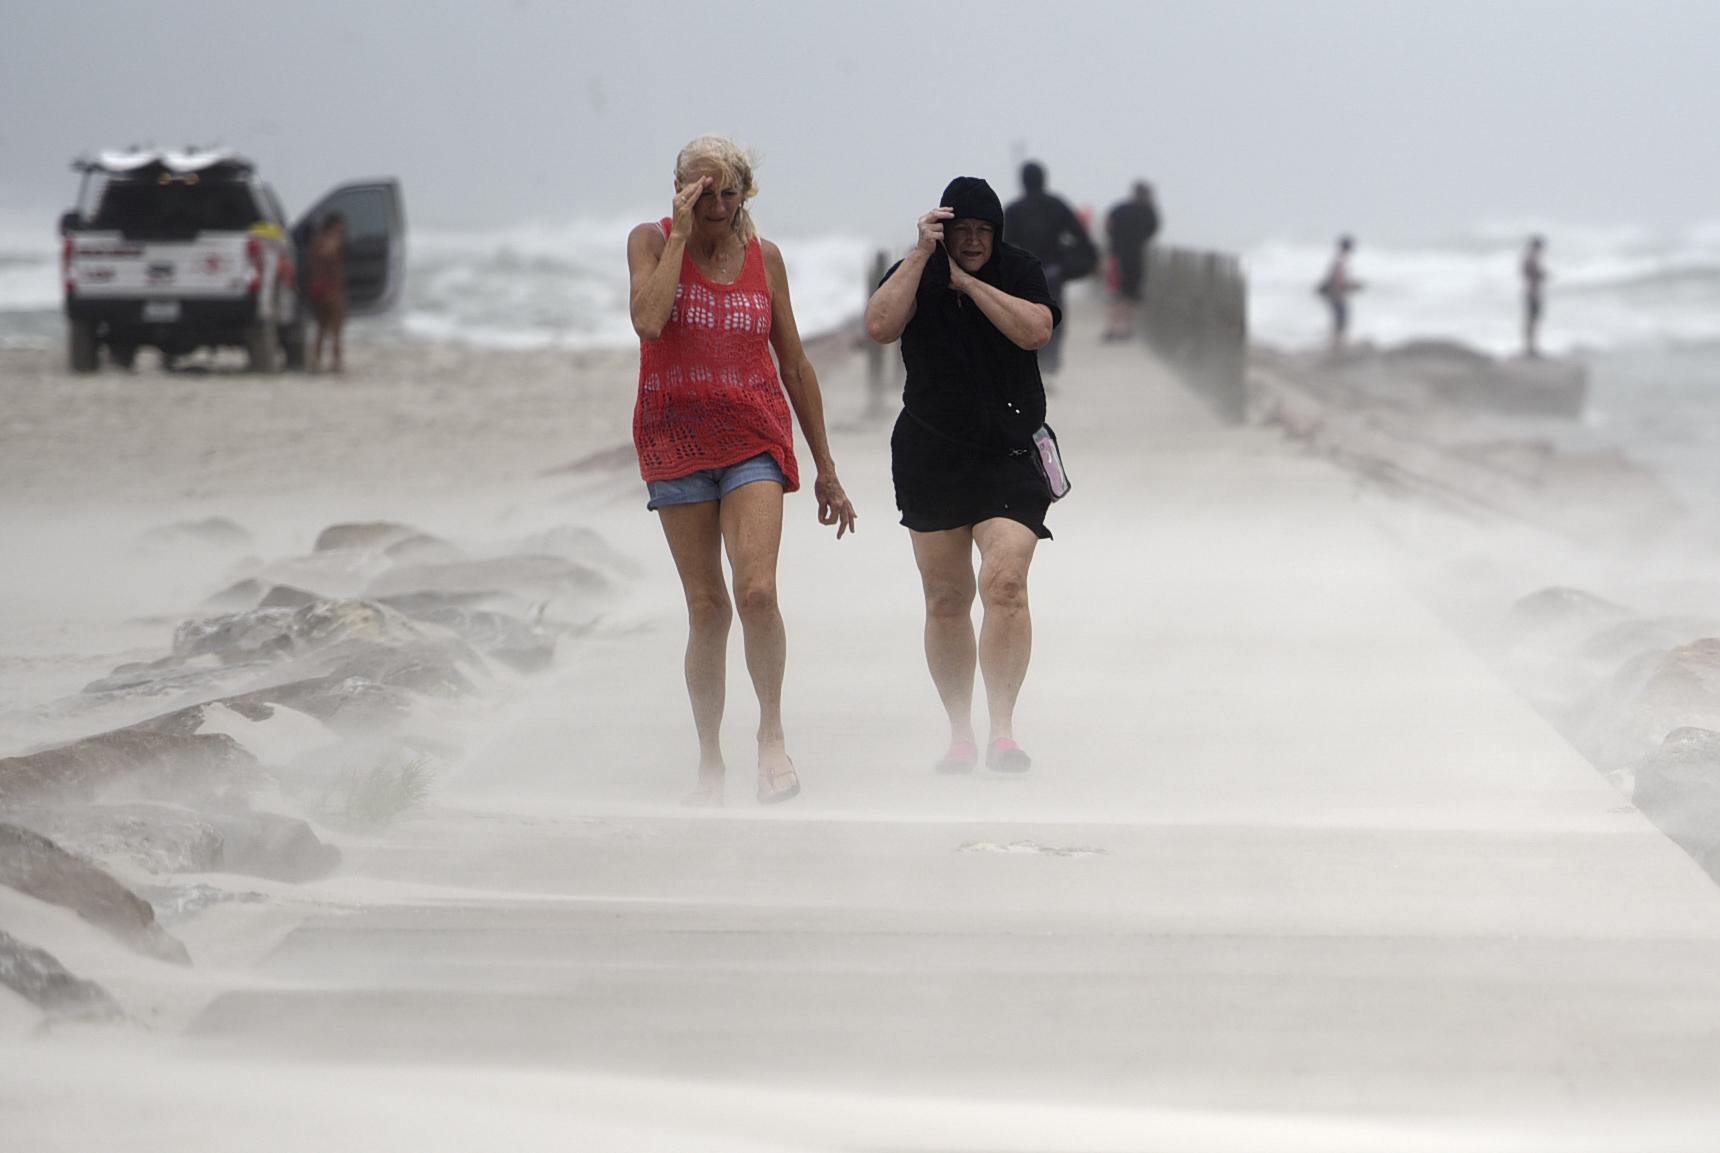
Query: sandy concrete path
1292, 869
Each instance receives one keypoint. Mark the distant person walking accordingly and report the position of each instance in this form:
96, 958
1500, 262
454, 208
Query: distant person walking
1337, 286
972, 313
710, 302
1045, 225
326, 285
1130, 226
1534, 287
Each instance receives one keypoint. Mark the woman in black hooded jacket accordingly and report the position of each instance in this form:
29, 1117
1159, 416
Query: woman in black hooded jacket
972, 312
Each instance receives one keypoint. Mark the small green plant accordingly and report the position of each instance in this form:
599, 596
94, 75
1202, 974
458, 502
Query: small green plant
371, 798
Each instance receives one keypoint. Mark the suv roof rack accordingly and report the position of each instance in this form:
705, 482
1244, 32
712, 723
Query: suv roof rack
177, 161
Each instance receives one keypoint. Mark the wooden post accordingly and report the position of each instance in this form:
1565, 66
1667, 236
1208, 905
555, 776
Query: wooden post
875, 351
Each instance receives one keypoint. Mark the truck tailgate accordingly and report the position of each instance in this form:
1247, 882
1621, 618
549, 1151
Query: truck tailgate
107, 265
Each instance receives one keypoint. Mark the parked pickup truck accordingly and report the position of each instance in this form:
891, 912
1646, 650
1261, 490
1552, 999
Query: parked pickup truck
186, 250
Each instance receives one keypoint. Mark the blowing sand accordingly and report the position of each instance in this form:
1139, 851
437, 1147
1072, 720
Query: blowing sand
1293, 869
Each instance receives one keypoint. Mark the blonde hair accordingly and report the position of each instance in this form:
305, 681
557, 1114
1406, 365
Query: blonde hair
732, 162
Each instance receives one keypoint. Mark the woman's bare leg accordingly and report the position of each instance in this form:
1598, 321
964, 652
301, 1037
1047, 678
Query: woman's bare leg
695, 540
752, 534
1006, 633
337, 336
946, 575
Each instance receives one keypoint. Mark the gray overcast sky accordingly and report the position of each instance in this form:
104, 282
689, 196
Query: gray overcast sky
1400, 119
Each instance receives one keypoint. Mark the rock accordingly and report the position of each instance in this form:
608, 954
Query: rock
41, 980
532, 576
165, 763
224, 657
362, 535
350, 705
240, 595
433, 668
508, 639
425, 606
215, 530
173, 677
287, 597
423, 548
233, 638
174, 903
581, 544
277, 632
1678, 787
1648, 698
1433, 351
1562, 609
157, 839
1616, 644
1465, 377
35, 866
1683, 689
278, 847
165, 839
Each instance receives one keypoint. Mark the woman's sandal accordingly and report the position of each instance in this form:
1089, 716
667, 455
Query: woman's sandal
771, 787
963, 757
1005, 756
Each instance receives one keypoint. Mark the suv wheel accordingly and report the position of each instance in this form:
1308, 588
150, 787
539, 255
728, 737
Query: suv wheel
262, 342
82, 346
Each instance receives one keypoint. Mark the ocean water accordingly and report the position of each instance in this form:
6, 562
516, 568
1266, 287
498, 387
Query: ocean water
528, 286
1642, 309
1607, 289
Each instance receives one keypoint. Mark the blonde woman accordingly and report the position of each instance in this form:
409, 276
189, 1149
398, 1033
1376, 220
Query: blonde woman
710, 301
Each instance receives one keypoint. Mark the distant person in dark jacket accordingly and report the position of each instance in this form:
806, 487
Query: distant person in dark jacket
1045, 225
1534, 284
1129, 227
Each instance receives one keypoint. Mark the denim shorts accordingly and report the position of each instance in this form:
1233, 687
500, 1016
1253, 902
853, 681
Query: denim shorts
713, 483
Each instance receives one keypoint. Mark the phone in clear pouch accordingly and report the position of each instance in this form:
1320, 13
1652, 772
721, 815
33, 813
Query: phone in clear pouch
1048, 462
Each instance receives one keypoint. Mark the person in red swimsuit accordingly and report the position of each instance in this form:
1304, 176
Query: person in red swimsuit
716, 448
328, 289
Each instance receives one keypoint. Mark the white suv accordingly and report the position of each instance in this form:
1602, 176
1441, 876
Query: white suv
186, 250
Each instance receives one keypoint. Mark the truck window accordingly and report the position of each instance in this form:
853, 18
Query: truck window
150, 210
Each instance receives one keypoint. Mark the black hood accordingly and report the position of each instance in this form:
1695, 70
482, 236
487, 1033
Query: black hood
971, 198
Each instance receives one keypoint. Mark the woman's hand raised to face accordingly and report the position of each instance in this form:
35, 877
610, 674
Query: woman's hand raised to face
932, 229
686, 199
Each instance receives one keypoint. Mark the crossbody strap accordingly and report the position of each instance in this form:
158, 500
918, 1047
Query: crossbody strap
989, 450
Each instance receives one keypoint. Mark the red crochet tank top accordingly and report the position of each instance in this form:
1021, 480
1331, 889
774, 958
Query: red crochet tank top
709, 395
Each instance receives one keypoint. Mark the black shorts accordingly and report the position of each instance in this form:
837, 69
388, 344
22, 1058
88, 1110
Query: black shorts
1131, 278
942, 485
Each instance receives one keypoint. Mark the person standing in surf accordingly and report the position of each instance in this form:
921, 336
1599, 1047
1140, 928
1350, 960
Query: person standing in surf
972, 312
1534, 271
1337, 286
709, 300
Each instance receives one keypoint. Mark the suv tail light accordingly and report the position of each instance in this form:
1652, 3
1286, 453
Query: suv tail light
66, 250
254, 253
